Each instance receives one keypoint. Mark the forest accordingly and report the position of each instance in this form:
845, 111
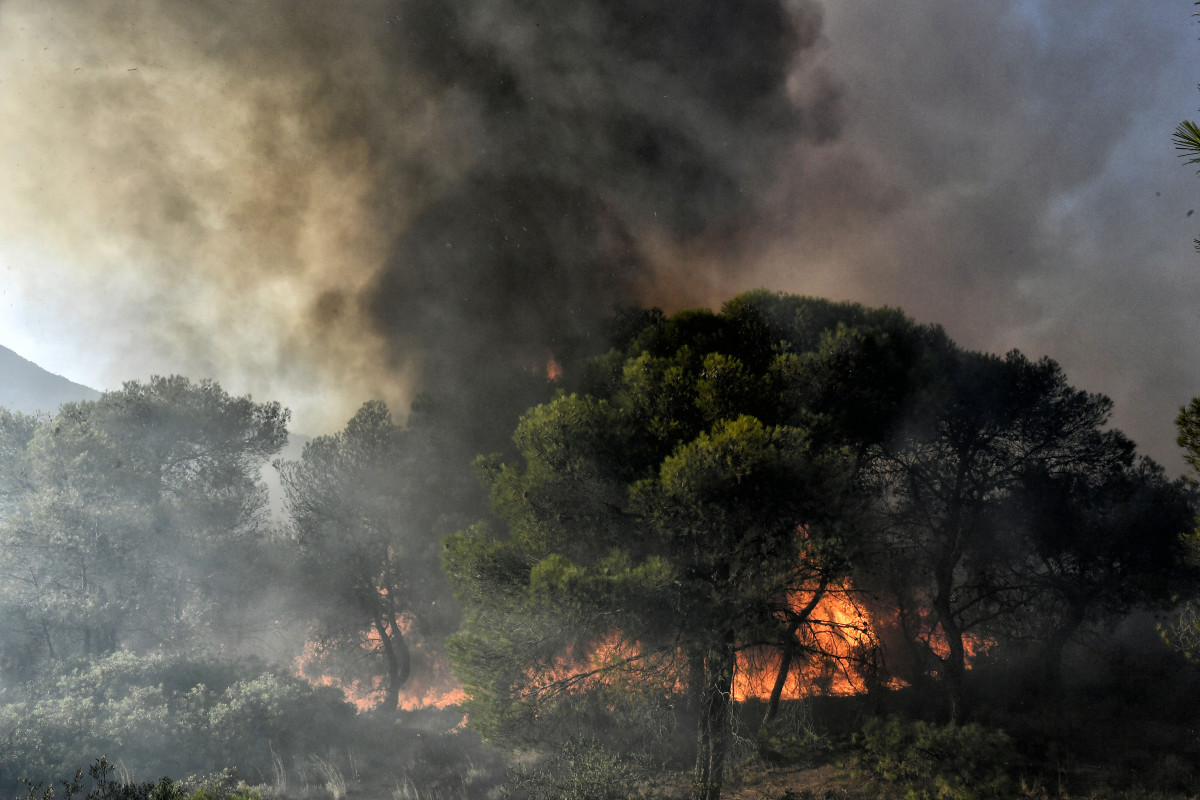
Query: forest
790, 548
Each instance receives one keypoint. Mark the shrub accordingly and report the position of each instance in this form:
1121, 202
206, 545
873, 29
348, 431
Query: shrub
104, 787
933, 762
581, 769
156, 715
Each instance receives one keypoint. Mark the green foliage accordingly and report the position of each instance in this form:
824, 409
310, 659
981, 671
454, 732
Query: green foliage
930, 762
132, 522
104, 787
1187, 141
367, 550
667, 514
581, 769
1184, 635
783, 742
158, 714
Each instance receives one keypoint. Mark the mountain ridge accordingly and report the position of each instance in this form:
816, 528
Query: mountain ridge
29, 389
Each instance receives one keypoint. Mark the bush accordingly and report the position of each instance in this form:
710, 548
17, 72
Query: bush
104, 787
932, 762
581, 769
155, 715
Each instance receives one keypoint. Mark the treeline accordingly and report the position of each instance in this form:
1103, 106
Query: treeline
706, 497
716, 475
152, 610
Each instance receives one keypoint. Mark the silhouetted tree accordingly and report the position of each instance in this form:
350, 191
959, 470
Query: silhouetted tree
976, 432
1185, 634
1097, 540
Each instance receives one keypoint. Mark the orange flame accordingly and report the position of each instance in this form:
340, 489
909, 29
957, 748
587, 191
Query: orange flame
837, 628
431, 685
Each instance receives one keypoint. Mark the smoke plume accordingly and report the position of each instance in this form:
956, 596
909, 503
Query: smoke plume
324, 202
387, 194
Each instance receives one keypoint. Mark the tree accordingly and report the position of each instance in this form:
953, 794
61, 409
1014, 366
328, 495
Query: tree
977, 432
683, 508
1187, 142
1185, 634
360, 503
131, 518
16, 430
1097, 541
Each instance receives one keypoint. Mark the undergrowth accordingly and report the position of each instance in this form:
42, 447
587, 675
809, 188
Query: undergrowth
931, 762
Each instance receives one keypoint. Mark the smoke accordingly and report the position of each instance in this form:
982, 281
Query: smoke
1006, 169
381, 195
324, 202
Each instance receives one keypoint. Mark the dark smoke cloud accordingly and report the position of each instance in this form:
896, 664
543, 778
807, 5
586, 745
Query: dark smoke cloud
328, 201
459, 183
596, 124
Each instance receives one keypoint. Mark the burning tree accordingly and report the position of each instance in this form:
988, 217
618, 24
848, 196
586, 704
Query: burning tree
666, 519
359, 503
1002, 496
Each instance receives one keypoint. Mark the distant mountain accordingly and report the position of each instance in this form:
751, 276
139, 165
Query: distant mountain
26, 387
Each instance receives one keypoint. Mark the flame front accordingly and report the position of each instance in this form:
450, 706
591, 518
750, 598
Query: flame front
432, 684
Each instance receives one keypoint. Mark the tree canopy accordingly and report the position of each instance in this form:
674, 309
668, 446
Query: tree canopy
999, 496
715, 476
672, 513
129, 521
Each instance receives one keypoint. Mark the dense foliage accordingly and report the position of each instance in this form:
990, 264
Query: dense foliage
719, 474
827, 495
132, 522
163, 715
931, 762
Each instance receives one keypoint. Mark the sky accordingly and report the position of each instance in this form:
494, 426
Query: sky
322, 203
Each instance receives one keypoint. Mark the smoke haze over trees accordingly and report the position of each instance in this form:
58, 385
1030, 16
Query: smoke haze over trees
392, 195
725, 474
435, 206
779, 493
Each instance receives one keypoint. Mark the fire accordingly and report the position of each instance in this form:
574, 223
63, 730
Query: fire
838, 629
431, 685
837, 648
848, 641
973, 646
605, 662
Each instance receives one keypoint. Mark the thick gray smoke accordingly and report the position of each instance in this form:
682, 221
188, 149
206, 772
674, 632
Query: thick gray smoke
594, 127
323, 202
1006, 169
384, 194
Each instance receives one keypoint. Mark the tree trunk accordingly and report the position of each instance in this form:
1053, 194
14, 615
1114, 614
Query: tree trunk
395, 652
789, 650
714, 726
785, 666
954, 664
1052, 665
954, 667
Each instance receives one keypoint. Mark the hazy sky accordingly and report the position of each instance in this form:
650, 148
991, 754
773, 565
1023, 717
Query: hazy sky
321, 203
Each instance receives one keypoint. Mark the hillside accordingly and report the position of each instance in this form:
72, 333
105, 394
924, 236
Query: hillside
26, 387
